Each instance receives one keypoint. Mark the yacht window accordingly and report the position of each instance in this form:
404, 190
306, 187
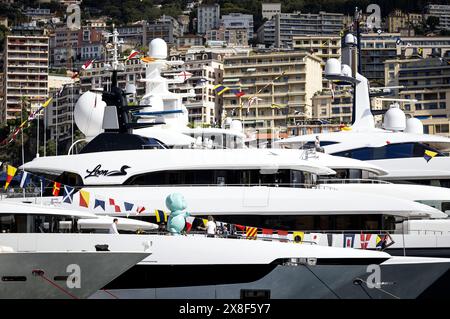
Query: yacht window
311, 144
445, 206
24, 223
281, 177
390, 151
331, 223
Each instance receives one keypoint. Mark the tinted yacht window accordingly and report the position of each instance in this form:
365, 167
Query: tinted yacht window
389, 151
222, 177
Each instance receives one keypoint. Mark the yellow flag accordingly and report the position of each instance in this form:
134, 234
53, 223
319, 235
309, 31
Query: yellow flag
47, 102
298, 236
147, 59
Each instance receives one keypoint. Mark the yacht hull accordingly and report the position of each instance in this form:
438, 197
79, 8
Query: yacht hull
334, 281
45, 275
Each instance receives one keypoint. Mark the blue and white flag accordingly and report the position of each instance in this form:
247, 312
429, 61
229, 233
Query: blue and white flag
99, 203
68, 194
25, 180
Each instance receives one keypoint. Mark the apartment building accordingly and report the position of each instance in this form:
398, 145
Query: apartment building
335, 109
442, 12
270, 9
208, 17
423, 46
97, 78
282, 84
375, 49
403, 22
26, 57
207, 71
288, 25
322, 46
428, 82
59, 113
238, 21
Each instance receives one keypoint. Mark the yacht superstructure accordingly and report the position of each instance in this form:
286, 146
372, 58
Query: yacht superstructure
400, 147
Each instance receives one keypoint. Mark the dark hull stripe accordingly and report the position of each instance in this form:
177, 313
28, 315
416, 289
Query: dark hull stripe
164, 276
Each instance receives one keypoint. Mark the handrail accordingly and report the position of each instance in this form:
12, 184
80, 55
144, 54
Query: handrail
352, 180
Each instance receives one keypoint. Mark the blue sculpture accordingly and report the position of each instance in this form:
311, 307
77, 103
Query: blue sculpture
177, 219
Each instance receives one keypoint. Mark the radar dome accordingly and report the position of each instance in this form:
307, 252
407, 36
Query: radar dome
236, 125
333, 67
414, 126
346, 70
88, 114
394, 119
158, 49
350, 39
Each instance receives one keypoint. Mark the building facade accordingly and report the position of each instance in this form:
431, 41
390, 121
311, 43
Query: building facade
282, 85
428, 82
442, 12
375, 49
26, 59
208, 17
288, 25
270, 9
207, 71
238, 21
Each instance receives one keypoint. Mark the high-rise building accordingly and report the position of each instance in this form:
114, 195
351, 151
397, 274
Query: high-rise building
208, 17
442, 12
428, 82
238, 21
270, 9
288, 25
207, 71
278, 87
423, 46
26, 57
375, 49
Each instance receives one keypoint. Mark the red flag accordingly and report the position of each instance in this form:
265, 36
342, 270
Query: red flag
140, 209
240, 227
282, 234
116, 207
365, 238
88, 65
267, 231
133, 54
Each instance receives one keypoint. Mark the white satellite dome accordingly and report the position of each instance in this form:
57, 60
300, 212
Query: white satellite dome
394, 119
350, 39
158, 49
333, 67
414, 126
88, 114
346, 70
236, 125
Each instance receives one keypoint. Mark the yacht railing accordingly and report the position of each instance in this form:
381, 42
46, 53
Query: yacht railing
352, 181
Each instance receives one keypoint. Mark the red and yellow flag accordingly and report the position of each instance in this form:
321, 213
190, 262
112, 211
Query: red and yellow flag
251, 232
10, 172
84, 199
56, 188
